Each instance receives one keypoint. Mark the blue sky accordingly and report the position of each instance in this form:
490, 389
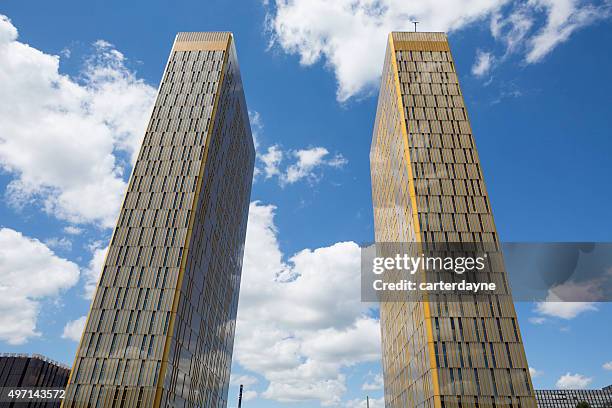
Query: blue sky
534, 76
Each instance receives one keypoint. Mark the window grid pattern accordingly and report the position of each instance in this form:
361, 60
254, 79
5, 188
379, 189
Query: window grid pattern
571, 398
200, 352
444, 351
139, 313
393, 211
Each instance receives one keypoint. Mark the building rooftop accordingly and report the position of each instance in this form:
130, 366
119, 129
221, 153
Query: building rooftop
418, 36
35, 356
204, 40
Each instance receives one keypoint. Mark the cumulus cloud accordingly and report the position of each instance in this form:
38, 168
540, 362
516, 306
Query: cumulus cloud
338, 32
72, 230
302, 347
564, 310
362, 403
307, 164
74, 329
30, 273
307, 161
57, 243
534, 373
483, 63
60, 136
271, 160
607, 366
573, 381
243, 379
249, 395
93, 270
376, 383
537, 320
256, 127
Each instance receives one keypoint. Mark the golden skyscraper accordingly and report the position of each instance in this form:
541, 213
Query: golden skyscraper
427, 187
160, 331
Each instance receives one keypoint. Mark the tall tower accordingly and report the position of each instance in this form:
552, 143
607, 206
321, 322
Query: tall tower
160, 331
428, 187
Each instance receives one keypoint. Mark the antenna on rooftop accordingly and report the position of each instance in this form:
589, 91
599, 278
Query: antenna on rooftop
415, 25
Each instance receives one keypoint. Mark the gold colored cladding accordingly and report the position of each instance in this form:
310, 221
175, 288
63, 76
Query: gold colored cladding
209, 41
419, 41
199, 45
486, 197
415, 221
127, 189
97, 286
192, 214
421, 46
436, 36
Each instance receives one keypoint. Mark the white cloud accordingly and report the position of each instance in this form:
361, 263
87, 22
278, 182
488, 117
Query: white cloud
308, 160
72, 230
534, 373
74, 329
246, 380
537, 27
376, 384
513, 29
573, 381
249, 395
362, 403
350, 36
59, 136
507, 91
307, 163
564, 310
271, 160
256, 127
63, 244
607, 366
93, 271
306, 166
563, 17
537, 320
483, 63
29, 273
301, 348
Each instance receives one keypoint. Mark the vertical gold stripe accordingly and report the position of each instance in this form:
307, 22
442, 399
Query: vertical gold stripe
175, 302
415, 222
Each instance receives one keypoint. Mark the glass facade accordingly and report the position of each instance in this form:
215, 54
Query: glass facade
570, 398
161, 327
438, 350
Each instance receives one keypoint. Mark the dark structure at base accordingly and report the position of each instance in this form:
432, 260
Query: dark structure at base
570, 398
22, 371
